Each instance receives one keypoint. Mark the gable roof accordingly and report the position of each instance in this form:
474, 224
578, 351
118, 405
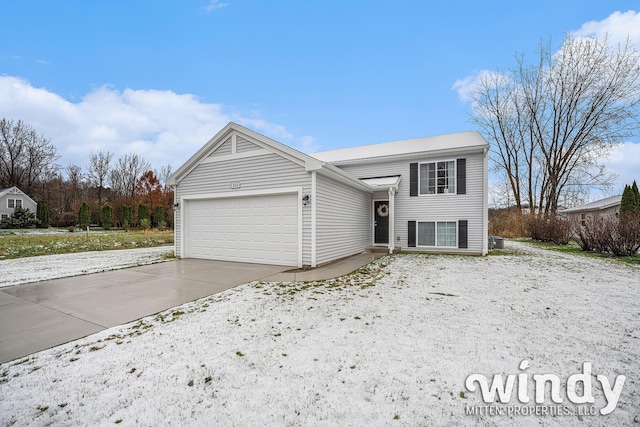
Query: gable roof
409, 147
601, 204
309, 163
15, 190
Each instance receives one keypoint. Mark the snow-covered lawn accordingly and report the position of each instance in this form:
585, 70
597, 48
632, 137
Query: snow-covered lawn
34, 269
392, 344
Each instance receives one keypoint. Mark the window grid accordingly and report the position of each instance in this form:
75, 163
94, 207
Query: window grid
438, 177
14, 203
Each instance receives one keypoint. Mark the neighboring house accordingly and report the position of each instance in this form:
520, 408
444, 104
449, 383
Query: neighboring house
245, 197
12, 198
608, 206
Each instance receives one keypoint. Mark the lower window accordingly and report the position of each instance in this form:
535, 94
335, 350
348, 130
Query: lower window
438, 233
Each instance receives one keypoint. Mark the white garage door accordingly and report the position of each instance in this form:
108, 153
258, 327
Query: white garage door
258, 229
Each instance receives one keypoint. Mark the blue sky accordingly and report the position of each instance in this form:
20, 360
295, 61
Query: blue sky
162, 77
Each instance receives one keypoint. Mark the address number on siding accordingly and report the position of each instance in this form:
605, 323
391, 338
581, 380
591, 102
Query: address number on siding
235, 185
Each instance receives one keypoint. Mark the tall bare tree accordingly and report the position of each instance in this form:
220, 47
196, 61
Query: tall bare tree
98, 171
553, 121
125, 175
25, 156
163, 176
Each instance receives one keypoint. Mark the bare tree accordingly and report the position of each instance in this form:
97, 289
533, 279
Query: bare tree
25, 156
124, 176
98, 171
75, 179
163, 176
552, 122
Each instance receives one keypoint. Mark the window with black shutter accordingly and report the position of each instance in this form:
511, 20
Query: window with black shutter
462, 234
461, 176
413, 179
411, 238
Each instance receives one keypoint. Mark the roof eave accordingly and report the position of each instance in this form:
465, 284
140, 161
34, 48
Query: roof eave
338, 174
412, 155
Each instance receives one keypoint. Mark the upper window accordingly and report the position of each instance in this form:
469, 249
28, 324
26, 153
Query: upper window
438, 177
14, 203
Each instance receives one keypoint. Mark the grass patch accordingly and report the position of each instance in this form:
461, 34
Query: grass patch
574, 248
27, 245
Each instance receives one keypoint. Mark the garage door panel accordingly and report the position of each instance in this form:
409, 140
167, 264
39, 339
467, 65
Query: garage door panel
260, 229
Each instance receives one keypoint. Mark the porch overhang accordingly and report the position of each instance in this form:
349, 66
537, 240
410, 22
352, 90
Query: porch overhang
383, 183
390, 184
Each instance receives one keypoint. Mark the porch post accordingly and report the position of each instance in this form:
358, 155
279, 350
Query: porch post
392, 216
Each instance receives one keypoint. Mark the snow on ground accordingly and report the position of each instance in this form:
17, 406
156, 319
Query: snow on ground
34, 269
392, 344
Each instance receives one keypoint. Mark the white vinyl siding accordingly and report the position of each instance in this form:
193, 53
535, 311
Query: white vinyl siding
436, 207
12, 197
223, 150
243, 145
343, 224
254, 173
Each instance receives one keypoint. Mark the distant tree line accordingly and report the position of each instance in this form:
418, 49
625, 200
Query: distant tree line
112, 190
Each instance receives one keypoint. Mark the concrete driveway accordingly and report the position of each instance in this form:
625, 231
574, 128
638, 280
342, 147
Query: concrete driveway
41, 315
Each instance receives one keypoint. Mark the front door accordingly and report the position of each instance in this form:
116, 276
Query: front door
381, 222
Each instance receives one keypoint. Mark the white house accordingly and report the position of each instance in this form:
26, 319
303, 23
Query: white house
11, 198
245, 197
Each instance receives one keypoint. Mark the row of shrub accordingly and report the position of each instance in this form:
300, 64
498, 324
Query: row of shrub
145, 219
24, 218
607, 234
619, 236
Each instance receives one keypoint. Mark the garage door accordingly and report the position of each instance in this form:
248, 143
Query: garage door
258, 229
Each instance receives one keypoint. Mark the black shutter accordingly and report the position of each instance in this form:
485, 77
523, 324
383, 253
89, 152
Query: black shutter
462, 234
411, 238
461, 176
413, 180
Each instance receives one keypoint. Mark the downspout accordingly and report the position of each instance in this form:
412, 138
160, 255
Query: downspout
485, 204
392, 218
314, 217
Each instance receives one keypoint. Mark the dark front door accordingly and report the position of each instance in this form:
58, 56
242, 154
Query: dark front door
381, 222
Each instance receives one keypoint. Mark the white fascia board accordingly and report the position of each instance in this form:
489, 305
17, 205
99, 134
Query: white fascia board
243, 193
260, 140
339, 175
275, 146
411, 156
201, 154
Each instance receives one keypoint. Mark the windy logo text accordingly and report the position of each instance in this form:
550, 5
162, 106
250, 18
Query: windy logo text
503, 387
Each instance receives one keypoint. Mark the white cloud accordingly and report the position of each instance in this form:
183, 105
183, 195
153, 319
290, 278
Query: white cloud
162, 126
307, 144
618, 26
465, 87
215, 5
274, 130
